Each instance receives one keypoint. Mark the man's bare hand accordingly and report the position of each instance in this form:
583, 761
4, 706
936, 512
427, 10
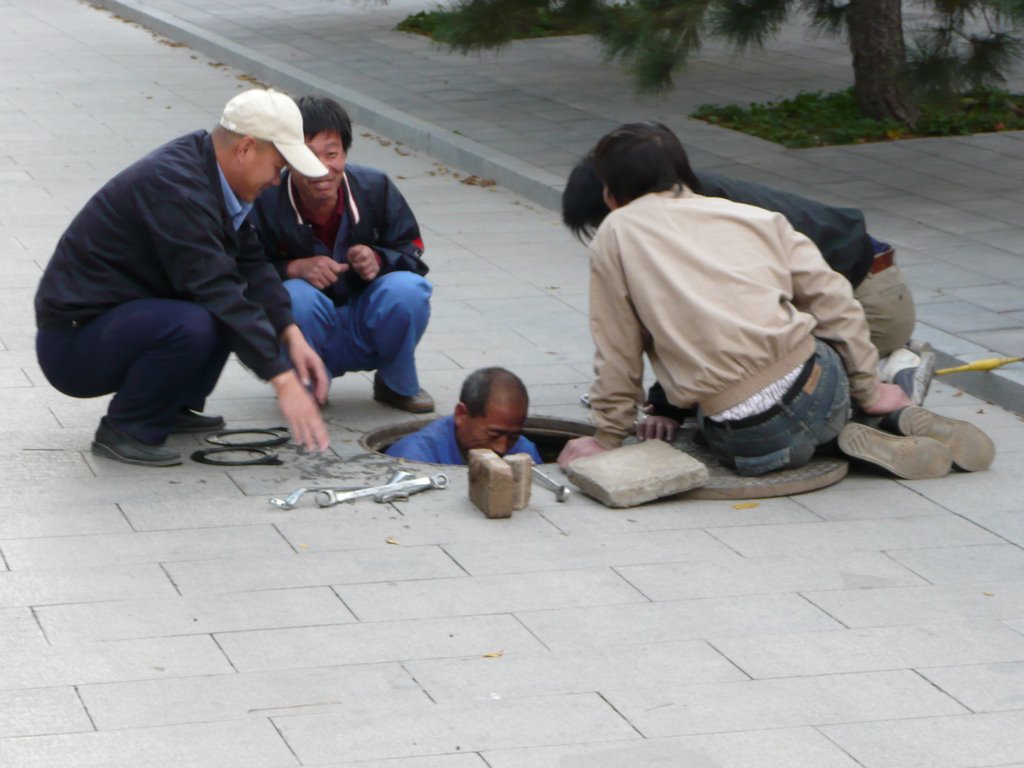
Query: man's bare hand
363, 259
891, 398
578, 448
309, 367
657, 428
318, 271
300, 412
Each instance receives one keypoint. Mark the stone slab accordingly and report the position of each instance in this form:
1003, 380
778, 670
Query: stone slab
982, 687
492, 487
635, 474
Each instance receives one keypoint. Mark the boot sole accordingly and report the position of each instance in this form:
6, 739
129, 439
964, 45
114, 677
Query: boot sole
923, 376
912, 458
972, 449
99, 449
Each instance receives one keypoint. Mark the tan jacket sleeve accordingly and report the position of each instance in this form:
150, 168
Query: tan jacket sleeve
618, 341
826, 295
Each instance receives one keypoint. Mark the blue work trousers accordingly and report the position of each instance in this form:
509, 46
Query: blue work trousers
155, 355
377, 330
788, 434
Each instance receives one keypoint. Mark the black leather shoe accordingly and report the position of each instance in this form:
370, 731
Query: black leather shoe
421, 402
188, 420
118, 446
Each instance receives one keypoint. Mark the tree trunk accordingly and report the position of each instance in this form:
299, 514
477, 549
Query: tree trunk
879, 57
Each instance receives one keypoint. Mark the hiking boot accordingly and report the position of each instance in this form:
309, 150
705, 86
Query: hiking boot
188, 420
912, 458
116, 445
972, 449
421, 402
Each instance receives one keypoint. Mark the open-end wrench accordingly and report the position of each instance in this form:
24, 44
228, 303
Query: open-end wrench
289, 501
381, 493
561, 492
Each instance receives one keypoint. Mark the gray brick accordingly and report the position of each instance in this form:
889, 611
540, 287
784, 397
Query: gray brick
922, 646
192, 616
41, 711
441, 729
255, 695
381, 641
755, 704
75, 585
947, 565
950, 742
982, 687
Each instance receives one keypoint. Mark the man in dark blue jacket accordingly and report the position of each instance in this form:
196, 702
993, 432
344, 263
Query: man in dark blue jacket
161, 275
348, 247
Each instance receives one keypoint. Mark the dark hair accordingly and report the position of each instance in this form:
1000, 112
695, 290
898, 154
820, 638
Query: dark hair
638, 158
479, 385
583, 206
323, 115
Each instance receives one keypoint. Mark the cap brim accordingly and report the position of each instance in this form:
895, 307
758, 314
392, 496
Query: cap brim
301, 158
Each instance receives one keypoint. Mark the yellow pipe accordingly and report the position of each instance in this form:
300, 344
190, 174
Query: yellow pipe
981, 365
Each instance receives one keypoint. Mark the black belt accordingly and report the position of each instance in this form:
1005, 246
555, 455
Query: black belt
775, 410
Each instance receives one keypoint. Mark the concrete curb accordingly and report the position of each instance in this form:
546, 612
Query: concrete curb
447, 146
440, 143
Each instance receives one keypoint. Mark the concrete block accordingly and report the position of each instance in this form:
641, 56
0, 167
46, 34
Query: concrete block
634, 474
491, 483
522, 479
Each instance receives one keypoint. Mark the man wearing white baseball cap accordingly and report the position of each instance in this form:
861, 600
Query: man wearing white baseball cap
160, 276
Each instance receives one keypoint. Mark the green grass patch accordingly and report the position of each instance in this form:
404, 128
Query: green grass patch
818, 120
525, 25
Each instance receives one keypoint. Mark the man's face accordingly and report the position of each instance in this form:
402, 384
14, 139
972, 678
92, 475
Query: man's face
328, 148
498, 428
260, 167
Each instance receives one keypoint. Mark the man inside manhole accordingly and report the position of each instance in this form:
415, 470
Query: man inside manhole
490, 414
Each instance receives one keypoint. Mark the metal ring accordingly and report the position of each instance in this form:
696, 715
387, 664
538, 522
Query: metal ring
263, 456
274, 439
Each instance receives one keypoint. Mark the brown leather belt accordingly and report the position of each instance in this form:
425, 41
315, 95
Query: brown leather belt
883, 260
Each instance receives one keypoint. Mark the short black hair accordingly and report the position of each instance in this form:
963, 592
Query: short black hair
639, 158
324, 115
583, 205
478, 386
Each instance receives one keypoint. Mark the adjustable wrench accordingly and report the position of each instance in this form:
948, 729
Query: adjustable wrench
382, 493
561, 492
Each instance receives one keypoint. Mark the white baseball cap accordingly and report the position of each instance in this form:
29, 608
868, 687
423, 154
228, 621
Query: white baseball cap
272, 116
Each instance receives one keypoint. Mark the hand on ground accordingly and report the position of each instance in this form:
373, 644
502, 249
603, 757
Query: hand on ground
657, 428
578, 448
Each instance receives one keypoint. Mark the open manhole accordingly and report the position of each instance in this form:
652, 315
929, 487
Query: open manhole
548, 433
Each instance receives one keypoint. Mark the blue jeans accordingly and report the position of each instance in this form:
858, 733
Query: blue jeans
791, 431
377, 330
156, 355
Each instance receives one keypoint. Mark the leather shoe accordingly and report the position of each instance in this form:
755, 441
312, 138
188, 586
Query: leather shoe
188, 420
421, 402
118, 446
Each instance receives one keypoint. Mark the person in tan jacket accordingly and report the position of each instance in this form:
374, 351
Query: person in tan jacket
770, 349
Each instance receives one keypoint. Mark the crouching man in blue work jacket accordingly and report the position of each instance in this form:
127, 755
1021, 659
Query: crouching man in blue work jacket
348, 248
161, 275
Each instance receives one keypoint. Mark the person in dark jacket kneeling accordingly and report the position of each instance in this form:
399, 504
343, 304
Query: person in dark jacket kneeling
349, 250
160, 276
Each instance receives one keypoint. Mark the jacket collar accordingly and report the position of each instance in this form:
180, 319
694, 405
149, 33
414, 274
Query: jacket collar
352, 207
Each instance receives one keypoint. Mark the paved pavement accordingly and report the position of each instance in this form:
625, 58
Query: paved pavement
173, 618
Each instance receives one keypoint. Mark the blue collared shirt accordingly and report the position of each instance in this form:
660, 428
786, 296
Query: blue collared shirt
237, 210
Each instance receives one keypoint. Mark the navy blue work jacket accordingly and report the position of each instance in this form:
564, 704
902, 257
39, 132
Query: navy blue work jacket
160, 229
377, 215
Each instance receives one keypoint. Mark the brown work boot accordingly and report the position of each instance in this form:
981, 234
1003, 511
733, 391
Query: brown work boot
971, 448
421, 402
912, 458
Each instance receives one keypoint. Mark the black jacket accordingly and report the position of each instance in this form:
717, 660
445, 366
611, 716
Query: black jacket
378, 216
160, 229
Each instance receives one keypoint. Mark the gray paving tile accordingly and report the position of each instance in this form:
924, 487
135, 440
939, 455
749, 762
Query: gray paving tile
791, 654
238, 744
376, 642
469, 595
775, 748
19, 630
253, 695
667, 622
432, 761
982, 687
75, 585
947, 565
951, 742
443, 729
41, 711
756, 704
862, 499
848, 535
